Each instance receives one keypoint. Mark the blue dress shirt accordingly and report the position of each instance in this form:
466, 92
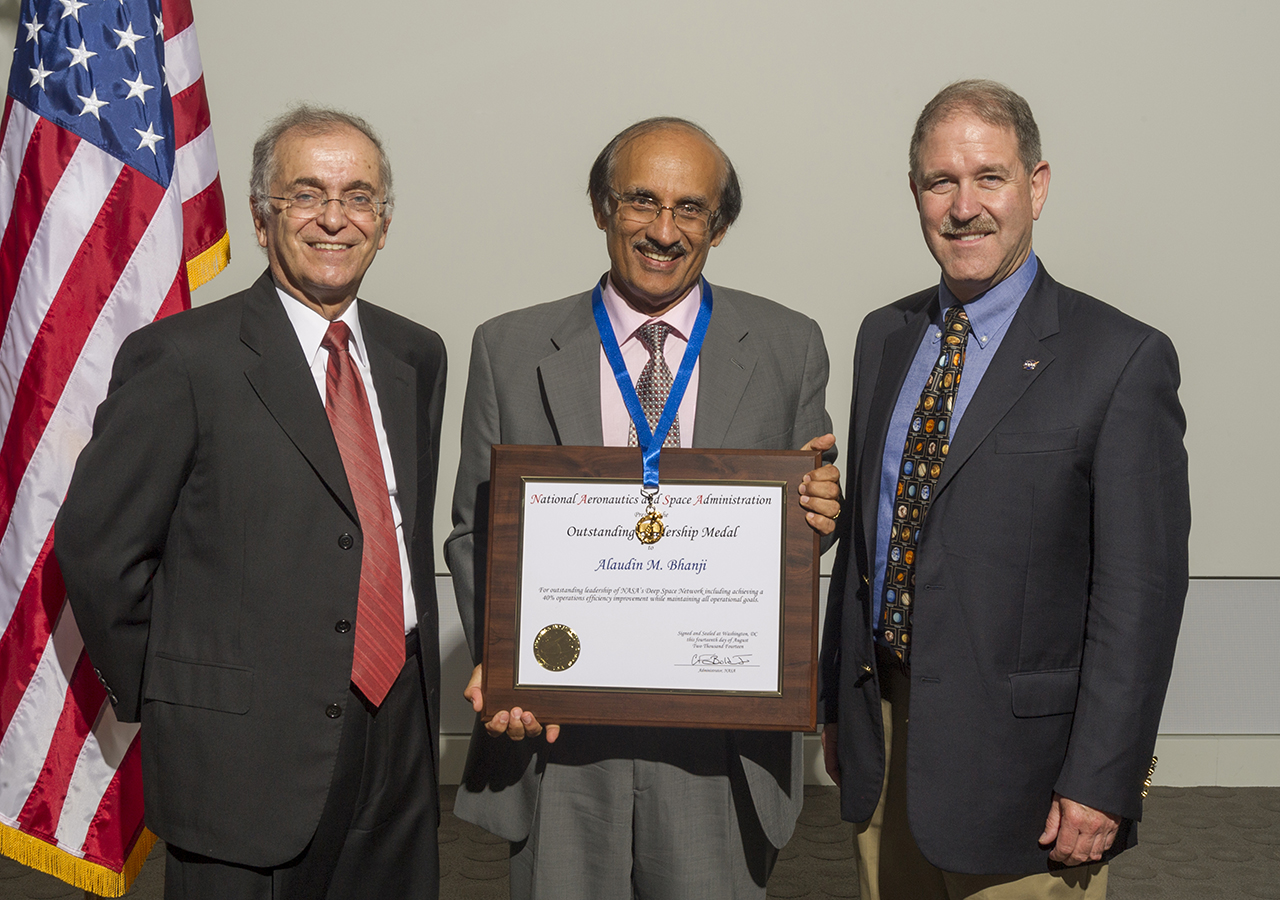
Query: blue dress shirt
989, 316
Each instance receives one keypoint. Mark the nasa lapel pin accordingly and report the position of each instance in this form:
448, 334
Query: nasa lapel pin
1030, 364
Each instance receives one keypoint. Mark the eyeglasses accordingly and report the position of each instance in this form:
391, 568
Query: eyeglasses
357, 205
693, 219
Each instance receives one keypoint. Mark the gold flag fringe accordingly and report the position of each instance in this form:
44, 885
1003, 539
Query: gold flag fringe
89, 876
202, 268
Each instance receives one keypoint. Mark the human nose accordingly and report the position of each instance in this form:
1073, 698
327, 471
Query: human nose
965, 204
663, 228
333, 214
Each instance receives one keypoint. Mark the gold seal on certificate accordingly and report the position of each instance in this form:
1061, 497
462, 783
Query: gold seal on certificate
556, 648
650, 528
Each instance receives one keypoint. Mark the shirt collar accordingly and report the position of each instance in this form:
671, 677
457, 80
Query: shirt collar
627, 321
310, 327
991, 310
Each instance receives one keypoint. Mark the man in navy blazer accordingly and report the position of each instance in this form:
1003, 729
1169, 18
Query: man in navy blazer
213, 553
1003, 753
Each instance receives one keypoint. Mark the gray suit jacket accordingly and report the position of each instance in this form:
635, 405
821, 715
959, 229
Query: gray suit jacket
535, 379
1051, 573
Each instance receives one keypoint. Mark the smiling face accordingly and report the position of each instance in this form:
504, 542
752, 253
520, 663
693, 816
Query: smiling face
321, 260
654, 266
977, 202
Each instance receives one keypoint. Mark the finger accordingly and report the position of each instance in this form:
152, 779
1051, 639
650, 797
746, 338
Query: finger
553, 732
532, 727
822, 442
1051, 823
497, 726
473, 692
820, 524
515, 726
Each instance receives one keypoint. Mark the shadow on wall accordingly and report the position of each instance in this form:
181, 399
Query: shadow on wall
9, 10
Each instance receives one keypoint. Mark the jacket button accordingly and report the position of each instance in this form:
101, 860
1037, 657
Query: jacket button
346, 541
333, 710
342, 626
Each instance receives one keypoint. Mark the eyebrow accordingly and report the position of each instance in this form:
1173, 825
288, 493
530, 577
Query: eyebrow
696, 199
310, 181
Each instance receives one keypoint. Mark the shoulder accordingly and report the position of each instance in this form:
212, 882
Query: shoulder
893, 315
403, 336
755, 308
1087, 323
528, 322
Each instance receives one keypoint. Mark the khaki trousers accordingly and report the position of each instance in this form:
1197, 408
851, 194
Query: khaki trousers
906, 874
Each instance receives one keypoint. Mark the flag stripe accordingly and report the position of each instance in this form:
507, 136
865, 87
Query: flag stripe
182, 64
80, 705
106, 251
118, 822
42, 170
177, 16
26, 743
190, 114
104, 750
78, 192
200, 230
28, 631
195, 166
16, 134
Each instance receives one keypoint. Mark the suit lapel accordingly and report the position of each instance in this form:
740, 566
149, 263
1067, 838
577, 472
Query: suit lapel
284, 384
724, 368
570, 377
900, 347
1009, 375
393, 379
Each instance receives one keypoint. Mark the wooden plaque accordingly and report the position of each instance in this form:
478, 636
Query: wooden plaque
792, 706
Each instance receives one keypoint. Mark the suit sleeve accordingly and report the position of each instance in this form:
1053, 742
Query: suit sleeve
812, 419
465, 548
1141, 521
111, 530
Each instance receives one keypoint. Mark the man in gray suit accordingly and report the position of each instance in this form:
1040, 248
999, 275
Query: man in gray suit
605, 812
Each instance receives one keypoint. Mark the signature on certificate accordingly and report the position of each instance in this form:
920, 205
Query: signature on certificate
713, 659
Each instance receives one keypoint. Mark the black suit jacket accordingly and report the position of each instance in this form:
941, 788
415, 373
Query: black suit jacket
1050, 579
202, 545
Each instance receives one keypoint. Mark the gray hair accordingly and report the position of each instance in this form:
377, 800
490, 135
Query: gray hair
991, 102
311, 121
600, 182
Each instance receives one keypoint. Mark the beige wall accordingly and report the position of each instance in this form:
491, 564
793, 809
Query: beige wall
1158, 120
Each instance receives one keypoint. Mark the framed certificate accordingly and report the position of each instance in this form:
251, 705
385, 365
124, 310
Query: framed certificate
699, 610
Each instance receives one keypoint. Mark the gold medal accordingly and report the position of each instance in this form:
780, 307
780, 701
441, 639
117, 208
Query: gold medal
650, 529
556, 648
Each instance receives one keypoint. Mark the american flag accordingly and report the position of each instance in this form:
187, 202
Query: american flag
111, 212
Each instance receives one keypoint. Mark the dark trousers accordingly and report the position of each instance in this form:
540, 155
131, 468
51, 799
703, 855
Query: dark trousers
377, 833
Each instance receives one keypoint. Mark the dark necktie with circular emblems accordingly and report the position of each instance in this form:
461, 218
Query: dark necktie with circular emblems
923, 455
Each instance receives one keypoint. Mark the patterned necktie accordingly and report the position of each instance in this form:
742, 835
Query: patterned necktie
379, 632
925, 451
655, 383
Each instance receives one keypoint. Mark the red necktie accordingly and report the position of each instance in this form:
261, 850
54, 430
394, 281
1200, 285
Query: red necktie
379, 633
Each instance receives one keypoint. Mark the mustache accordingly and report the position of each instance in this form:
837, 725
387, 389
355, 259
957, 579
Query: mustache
676, 249
983, 224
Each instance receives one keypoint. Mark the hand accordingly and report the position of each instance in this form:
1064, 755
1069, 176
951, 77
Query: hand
820, 490
516, 723
1079, 833
829, 758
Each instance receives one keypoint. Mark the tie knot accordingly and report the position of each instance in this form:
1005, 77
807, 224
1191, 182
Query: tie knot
337, 337
654, 336
956, 322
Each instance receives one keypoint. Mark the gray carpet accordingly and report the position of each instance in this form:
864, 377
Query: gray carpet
1195, 844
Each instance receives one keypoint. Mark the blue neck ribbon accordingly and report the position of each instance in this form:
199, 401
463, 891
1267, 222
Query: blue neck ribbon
651, 441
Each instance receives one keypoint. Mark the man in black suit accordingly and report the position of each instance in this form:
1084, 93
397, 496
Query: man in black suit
247, 548
1006, 600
